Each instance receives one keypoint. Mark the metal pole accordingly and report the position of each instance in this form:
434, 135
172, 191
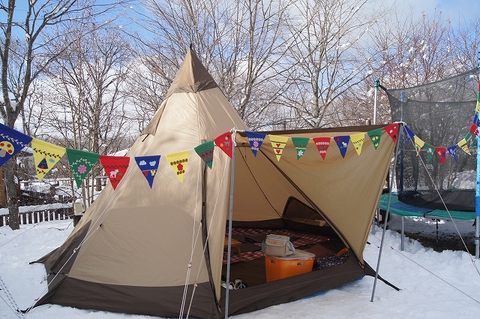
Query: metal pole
477, 190
402, 238
477, 202
400, 136
230, 222
377, 83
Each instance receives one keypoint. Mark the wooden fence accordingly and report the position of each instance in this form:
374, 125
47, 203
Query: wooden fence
40, 216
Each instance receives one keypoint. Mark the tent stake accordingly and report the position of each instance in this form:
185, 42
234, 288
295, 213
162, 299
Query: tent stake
230, 218
387, 214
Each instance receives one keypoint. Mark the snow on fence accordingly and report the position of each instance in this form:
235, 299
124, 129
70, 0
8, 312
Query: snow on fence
43, 215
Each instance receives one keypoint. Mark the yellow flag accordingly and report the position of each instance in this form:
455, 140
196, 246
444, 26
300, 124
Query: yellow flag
463, 144
278, 144
477, 109
178, 161
418, 143
45, 156
357, 141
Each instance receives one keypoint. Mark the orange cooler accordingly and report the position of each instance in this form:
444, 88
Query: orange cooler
299, 263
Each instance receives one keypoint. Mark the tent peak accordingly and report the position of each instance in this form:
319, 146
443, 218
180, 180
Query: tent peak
192, 76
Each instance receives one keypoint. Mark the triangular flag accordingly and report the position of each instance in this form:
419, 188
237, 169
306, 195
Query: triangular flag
225, 143
357, 140
256, 140
342, 143
205, 151
473, 129
468, 137
408, 133
149, 166
178, 161
442, 153
452, 150
115, 167
375, 136
300, 144
11, 142
430, 149
476, 120
392, 130
278, 144
463, 144
45, 156
81, 163
477, 108
322, 144
418, 143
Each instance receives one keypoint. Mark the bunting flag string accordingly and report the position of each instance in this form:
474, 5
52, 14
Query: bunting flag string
205, 151
224, 141
115, 167
149, 166
357, 140
178, 161
11, 143
408, 133
463, 144
278, 144
322, 144
255, 140
442, 153
300, 144
452, 150
46, 155
81, 163
392, 130
430, 149
418, 143
342, 143
375, 136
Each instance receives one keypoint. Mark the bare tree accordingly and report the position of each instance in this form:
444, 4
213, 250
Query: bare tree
86, 102
25, 54
324, 57
406, 51
240, 42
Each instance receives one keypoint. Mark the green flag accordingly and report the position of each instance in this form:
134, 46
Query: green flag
81, 163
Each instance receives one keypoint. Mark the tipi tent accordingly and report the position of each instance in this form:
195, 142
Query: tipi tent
159, 248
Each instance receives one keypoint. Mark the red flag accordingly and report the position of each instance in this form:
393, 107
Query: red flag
225, 143
392, 130
322, 144
442, 153
474, 129
115, 167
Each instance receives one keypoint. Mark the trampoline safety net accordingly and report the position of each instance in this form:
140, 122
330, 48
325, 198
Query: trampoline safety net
440, 114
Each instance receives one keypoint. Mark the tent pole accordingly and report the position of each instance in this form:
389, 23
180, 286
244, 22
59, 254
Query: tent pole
230, 222
477, 190
377, 82
402, 239
477, 202
400, 136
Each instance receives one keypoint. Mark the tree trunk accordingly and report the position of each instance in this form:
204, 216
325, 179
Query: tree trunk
12, 193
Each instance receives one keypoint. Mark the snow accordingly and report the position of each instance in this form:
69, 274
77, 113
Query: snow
433, 284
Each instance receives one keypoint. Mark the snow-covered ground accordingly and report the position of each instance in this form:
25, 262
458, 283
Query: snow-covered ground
433, 284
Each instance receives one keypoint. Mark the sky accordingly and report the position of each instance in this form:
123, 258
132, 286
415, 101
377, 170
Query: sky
456, 10
434, 285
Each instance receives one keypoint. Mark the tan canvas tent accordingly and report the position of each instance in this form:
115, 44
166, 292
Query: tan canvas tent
160, 250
